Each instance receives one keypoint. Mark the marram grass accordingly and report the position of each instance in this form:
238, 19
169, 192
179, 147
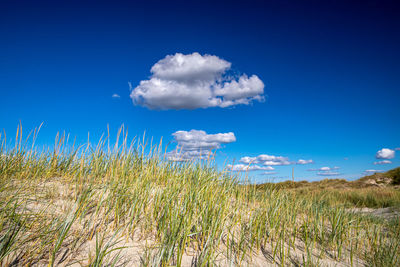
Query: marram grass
125, 204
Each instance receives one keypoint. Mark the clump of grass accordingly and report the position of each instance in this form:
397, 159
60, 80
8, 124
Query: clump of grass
55, 201
103, 251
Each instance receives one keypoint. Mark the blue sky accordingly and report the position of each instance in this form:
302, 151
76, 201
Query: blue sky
330, 73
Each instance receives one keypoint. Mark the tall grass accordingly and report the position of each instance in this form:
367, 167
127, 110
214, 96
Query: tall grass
95, 204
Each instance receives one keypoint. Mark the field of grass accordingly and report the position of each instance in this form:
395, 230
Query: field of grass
126, 205
346, 193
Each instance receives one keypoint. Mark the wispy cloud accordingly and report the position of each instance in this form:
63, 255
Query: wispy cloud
305, 161
325, 169
179, 155
116, 96
195, 81
247, 168
382, 162
269, 173
385, 153
197, 144
328, 173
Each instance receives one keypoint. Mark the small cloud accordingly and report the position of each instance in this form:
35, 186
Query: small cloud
195, 81
382, 162
385, 153
397, 148
305, 161
116, 96
325, 169
346, 158
183, 155
271, 160
248, 168
197, 144
267, 160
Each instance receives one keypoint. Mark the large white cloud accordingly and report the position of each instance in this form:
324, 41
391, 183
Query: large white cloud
190, 68
197, 144
385, 153
195, 81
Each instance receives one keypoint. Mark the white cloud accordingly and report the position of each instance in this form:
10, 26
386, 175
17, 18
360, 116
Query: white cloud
276, 163
385, 153
244, 168
197, 139
305, 161
195, 81
116, 96
382, 162
240, 92
271, 160
325, 169
248, 160
268, 160
180, 155
190, 68
197, 144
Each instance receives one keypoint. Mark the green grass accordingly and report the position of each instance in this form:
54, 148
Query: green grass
95, 204
354, 197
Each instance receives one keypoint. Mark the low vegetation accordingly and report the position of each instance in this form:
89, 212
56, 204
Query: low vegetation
125, 204
374, 191
393, 176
